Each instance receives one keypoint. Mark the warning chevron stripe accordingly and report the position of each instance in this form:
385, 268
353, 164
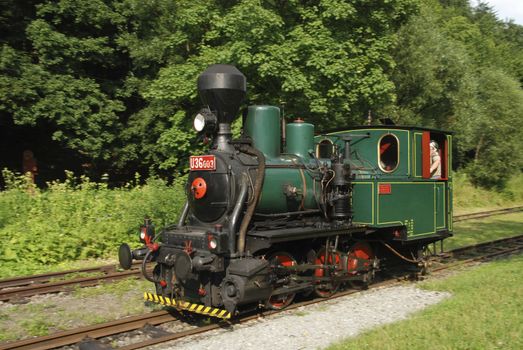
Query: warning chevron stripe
184, 305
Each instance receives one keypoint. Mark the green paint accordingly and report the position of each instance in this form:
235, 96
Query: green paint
300, 139
363, 202
416, 156
280, 182
421, 206
441, 198
408, 202
367, 148
263, 126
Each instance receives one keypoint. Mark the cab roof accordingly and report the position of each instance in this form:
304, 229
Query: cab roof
392, 127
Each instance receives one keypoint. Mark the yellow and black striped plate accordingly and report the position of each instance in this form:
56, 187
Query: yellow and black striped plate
184, 305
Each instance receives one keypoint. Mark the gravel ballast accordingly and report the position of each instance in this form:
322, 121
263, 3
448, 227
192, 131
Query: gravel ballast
317, 326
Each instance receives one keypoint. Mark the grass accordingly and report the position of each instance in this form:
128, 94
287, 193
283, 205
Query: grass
36, 326
486, 309
484, 312
486, 229
115, 288
468, 199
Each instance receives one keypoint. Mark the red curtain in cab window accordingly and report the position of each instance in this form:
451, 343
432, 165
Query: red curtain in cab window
425, 155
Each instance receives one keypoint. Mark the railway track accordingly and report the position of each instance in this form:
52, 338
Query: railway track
23, 287
460, 256
485, 214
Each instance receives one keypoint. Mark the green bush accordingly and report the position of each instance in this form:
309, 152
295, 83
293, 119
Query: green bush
76, 219
80, 219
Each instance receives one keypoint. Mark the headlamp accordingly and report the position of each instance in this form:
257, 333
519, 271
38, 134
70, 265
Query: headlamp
205, 121
199, 122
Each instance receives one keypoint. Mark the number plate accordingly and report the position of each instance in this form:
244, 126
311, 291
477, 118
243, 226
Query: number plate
384, 189
203, 163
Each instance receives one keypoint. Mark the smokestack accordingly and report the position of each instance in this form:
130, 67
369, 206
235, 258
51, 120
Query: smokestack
222, 88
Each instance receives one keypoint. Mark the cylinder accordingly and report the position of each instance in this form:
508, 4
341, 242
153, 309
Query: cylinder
262, 125
300, 139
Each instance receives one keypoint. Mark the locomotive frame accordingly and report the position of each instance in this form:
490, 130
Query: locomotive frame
281, 211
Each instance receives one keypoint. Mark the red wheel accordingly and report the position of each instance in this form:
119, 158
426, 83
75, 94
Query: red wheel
280, 301
360, 259
327, 288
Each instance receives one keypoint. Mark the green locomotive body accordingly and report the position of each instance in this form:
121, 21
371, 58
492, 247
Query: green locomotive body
403, 197
285, 210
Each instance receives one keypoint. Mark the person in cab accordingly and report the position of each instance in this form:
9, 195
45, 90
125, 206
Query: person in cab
435, 160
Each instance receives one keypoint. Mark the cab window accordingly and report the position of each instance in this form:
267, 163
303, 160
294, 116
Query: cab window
325, 149
388, 153
434, 146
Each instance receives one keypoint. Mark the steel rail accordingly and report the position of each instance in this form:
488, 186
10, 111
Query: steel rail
484, 214
27, 286
516, 244
96, 331
65, 285
136, 322
54, 282
389, 282
49, 277
46, 277
485, 244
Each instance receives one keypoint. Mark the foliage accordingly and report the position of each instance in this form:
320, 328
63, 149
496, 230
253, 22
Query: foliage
434, 77
306, 56
65, 76
449, 75
497, 135
77, 219
114, 80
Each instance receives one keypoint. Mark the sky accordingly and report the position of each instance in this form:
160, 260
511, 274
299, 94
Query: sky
507, 9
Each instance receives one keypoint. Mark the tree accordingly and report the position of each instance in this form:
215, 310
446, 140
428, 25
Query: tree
498, 132
434, 77
64, 74
449, 75
115, 80
325, 60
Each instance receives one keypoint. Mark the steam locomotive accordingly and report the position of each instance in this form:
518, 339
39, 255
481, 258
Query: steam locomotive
283, 210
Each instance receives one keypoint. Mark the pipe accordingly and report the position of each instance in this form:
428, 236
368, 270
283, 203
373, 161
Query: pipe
283, 132
144, 269
399, 255
185, 211
346, 152
289, 213
235, 216
260, 176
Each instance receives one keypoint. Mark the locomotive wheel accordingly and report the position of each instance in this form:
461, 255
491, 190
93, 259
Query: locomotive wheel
281, 301
325, 289
360, 257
